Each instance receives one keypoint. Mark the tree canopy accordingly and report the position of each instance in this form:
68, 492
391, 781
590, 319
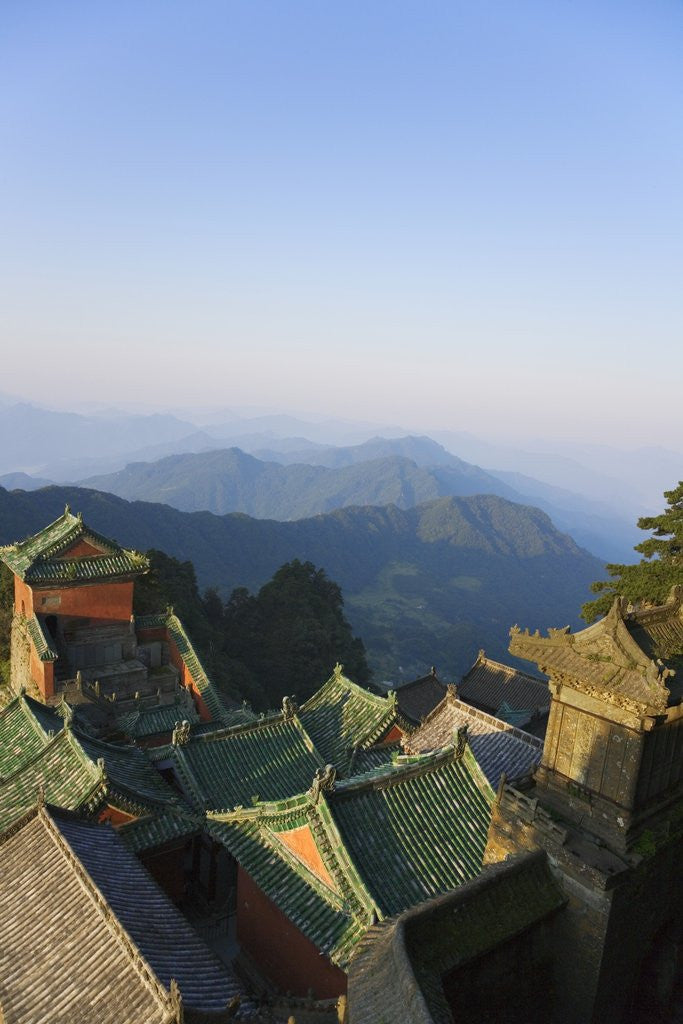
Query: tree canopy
652, 578
283, 640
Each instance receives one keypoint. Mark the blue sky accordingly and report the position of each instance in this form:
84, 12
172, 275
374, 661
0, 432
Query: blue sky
456, 215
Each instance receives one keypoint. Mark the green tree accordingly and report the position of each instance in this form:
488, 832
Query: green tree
292, 633
652, 578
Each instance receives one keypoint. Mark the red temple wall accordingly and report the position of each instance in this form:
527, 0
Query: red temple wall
187, 680
394, 734
280, 950
23, 598
92, 601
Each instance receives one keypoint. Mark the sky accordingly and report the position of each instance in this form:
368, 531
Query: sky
457, 215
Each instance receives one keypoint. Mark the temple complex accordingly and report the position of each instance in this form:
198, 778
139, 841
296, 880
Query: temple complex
412, 858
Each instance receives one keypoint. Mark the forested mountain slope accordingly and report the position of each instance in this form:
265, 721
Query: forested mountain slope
426, 585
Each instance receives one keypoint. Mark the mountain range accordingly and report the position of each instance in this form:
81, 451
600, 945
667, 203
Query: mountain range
400, 471
425, 585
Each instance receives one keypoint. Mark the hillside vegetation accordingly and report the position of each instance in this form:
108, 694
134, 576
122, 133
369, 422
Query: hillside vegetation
426, 585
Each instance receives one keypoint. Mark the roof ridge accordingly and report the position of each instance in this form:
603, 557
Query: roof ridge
405, 767
105, 910
65, 516
30, 715
483, 658
335, 679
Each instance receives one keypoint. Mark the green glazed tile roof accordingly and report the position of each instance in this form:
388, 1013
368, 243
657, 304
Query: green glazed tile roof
130, 774
69, 770
321, 920
342, 715
334, 918
387, 841
158, 719
67, 776
22, 734
417, 829
41, 640
270, 759
373, 758
39, 559
154, 830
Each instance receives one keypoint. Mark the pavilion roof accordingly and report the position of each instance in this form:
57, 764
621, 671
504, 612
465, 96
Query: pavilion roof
342, 716
417, 827
417, 698
492, 686
498, 747
89, 935
614, 659
378, 843
44, 557
269, 759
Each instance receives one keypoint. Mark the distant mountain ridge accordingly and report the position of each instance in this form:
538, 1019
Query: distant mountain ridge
400, 471
426, 585
230, 480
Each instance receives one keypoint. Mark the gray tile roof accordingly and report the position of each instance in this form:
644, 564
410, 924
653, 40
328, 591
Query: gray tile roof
490, 684
164, 937
497, 746
64, 956
417, 699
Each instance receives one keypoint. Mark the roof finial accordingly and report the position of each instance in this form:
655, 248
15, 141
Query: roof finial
67, 510
338, 669
460, 740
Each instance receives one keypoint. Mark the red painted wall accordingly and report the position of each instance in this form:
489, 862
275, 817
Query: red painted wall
187, 680
23, 598
91, 601
279, 949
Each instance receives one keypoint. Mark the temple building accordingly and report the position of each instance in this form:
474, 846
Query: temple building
75, 637
500, 748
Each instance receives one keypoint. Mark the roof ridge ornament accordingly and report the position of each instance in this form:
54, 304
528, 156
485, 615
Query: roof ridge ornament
338, 671
657, 673
323, 782
289, 708
461, 739
181, 733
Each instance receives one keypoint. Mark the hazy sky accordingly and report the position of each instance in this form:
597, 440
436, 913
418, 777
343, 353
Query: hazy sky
464, 215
